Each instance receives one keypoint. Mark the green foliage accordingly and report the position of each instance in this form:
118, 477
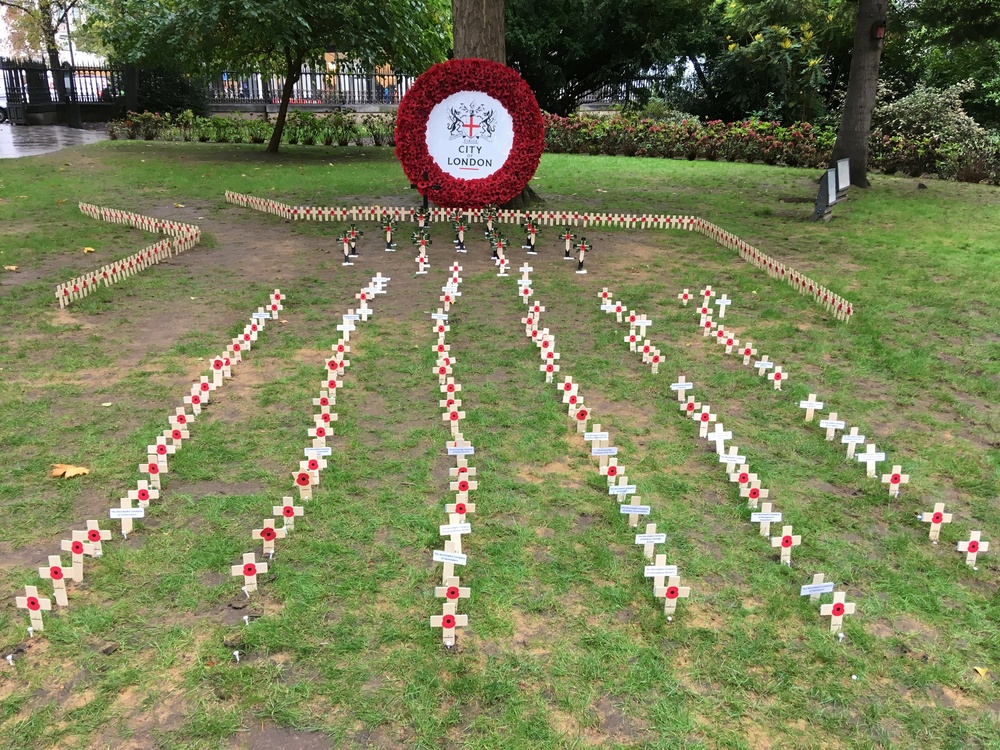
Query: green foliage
929, 111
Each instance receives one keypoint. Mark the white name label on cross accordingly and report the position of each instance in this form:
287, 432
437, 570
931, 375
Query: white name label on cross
261, 316
314, 452
732, 459
651, 571
461, 450
595, 436
650, 538
622, 489
349, 316
455, 528
439, 316
117, 513
681, 386
455, 558
835, 424
765, 517
639, 510
608, 451
763, 365
813, 589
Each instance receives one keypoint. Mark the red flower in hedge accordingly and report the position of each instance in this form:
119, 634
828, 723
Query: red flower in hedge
474, 75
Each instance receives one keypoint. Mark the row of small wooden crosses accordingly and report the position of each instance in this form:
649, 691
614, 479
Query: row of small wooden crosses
462, 476
88, 542
666, 578
871, 456
308, 474
185, 237
763, 513
638, 324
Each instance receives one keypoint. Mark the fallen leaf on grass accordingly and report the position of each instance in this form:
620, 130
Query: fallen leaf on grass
60, 201
601, 191
981, 671
10, 268
89, 250
68, 470
282, 322
107, 403
179, 205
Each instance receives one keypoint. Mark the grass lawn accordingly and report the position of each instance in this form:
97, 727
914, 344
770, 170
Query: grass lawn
566, 645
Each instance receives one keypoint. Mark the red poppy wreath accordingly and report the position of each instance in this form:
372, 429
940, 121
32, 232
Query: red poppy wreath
469, 133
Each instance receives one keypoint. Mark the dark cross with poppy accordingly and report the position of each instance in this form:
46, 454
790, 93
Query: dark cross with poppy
388, 226
268, 534
458, 224
35, 605
786, 541
345, 244
671, 592
58, 575
567, 236
936, 518
972, 547
448, 620
249, 569
452, 590
530, 236
289, 511
836, 610
582, 249
353, 234
753, 492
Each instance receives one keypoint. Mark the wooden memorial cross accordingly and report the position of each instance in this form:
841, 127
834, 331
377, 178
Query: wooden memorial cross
632, 339
198, 396
448, 620
707, 326
455, 528
442, 371
723, 302
895, 479
649, 540
154, 466
448, 299
604, 295
971, 548
57, 574
304, 481
659, 571
125, 513
77, 547
732, 459
453, 417
452, 590
449, 387
811, 405
719, 436
275, 303
671, 593
268, 534
654, 359
621, 488
836, 610
96, 536
346, 327
143, 493
160, 450
441, 326
762, 365
327, 398
689, 406
289, 511
870, 458
449, 559
730, 341
502, 263
765, 518
852, 440
707, 294
704, 418
777, 377
600, 445
936, 519
753, 492
743, 477
786, 541
180, 419
35, 605
684, 297
220, 370
633, 509
611, 470
388, 225
459, 227
463, 486
832, 425
549, 368
249, 569
817, 588
580, 416
748, 352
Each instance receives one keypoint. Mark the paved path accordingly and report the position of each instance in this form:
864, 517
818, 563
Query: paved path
31, 140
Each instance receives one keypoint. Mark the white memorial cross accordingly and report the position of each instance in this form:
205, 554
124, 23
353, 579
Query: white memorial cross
832, 425
852, 440
649, 540
719, 435
723, 302
765, 517
680, 387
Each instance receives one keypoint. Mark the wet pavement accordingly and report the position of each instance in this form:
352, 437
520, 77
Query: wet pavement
31, 140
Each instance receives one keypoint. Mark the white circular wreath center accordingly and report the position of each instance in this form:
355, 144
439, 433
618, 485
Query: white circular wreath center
469, 135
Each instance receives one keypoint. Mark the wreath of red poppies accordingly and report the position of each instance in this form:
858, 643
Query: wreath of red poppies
471, 74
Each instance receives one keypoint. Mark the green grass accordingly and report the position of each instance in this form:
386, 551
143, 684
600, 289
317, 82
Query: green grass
566, 646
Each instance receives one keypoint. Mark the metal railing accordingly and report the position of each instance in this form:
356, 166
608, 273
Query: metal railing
313, 87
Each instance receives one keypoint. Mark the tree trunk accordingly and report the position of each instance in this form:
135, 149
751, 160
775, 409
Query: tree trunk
862, 85
47, 30
478, 29
293, 71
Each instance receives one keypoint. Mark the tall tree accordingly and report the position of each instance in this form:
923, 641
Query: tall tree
862, 87
38, 22
276, 37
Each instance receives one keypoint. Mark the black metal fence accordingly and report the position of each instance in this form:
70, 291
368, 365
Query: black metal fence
313, 87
